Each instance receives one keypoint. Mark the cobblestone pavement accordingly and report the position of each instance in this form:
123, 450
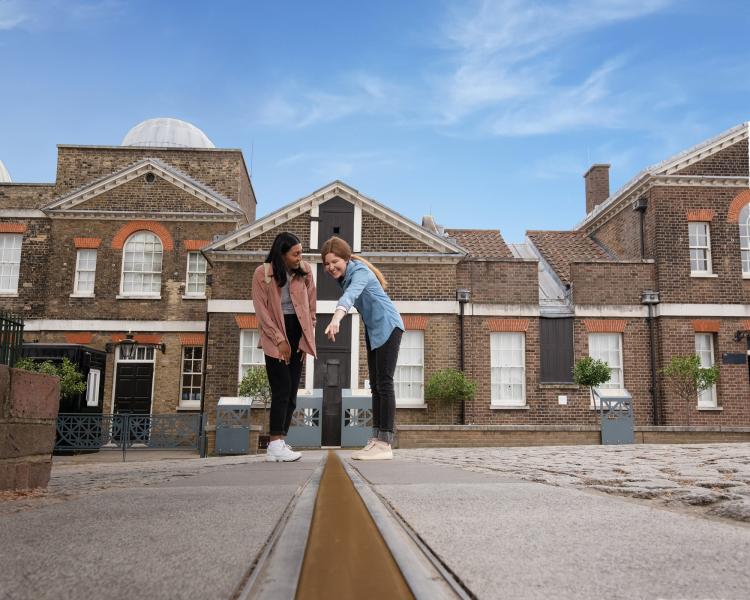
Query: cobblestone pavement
708, 479
69, 481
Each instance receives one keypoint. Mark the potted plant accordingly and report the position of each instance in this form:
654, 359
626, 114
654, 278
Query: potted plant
255, 385
591, 373
449, 386
71, 379
687, 378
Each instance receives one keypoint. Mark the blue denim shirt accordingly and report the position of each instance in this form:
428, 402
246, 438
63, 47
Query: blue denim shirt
363, 291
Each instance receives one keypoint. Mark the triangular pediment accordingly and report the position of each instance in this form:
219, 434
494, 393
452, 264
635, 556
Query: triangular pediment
194, 196
337, 189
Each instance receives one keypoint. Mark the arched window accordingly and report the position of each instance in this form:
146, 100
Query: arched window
745, 239
141, 265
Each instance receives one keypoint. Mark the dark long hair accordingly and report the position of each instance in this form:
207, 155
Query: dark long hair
284, 242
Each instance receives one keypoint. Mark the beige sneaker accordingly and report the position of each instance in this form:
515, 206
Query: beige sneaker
370, 443
378, 451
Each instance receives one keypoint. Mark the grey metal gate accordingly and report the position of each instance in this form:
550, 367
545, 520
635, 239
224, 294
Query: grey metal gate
616, 416
233, 425
305, 430
356, 419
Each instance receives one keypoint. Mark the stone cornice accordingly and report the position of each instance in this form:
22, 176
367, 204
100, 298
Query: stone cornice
113, 215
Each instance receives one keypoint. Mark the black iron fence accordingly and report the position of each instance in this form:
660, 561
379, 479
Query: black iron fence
121, 431
11, 338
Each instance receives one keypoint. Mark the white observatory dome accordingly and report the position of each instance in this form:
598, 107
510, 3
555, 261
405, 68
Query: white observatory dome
4, 175
167, 133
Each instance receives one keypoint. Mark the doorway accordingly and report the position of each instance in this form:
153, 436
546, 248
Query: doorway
332, 373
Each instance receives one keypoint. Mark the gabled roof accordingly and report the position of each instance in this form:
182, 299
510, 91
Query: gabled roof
318, 197
146, 165
560, 248
481, 243
670, 166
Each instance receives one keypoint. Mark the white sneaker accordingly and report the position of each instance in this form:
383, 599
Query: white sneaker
278, 451
378, 451
370, 443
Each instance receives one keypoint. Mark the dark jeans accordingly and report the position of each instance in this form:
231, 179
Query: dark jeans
284, 380
381, 363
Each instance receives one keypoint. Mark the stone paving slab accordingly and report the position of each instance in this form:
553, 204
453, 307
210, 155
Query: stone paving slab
506, 536
713, 479
172, 529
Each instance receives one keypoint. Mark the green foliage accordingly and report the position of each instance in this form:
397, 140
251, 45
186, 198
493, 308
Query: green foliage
71, 379
687, 378
448, 386
255, 385
591, 372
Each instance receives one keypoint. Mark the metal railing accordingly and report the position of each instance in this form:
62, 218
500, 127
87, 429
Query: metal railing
11, 338
76, 431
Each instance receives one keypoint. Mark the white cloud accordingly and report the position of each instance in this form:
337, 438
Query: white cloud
510, 73
336, 165
11, 14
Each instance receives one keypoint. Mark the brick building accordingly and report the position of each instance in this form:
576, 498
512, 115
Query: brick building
658, 268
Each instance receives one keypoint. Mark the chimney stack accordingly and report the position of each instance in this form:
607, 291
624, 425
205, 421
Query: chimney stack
597, 186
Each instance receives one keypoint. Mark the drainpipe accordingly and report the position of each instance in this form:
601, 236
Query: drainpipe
651, 298
463, 296
209, 282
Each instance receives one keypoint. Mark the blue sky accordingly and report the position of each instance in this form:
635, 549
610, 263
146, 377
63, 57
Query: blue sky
483, 114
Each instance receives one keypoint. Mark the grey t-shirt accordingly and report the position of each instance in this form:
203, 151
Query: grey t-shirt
287, 306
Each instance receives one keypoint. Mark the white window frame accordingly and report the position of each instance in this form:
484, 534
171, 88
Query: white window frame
89, 268
142, 354
143, 236
744, 222
704, 348
92, 387
196, 271
507, 361
700, 252
191, 403
609, 355
10, 262
250, 354
408, 379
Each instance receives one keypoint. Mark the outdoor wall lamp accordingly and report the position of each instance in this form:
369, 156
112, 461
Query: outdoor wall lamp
740, 334
128, 346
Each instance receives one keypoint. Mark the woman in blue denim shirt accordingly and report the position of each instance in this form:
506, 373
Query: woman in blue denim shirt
364, 289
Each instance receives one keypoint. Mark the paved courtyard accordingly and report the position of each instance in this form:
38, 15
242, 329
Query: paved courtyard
708, 479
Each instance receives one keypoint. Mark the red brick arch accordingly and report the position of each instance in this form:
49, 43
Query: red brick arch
130, 228
739, 202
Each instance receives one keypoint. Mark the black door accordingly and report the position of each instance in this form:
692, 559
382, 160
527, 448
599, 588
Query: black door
336, 218
332, 373
133, 388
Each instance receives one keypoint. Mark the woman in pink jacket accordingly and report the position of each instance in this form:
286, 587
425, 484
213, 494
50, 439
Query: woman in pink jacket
284, 301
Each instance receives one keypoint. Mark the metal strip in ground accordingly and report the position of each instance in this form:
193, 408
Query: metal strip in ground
346, 556
428, 577
276, 572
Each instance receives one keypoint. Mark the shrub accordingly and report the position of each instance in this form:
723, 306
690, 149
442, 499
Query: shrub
687, 378
71, 379
255, 385
591, 372
448, 386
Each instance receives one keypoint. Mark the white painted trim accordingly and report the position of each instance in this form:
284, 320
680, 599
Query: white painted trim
499, 310
231, 306
309, 372
314, 235
703, 310
22, 213
354, 354
135, 297
114, 325
624, 311
357, 236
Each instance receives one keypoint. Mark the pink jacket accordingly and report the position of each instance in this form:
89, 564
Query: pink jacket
267, 303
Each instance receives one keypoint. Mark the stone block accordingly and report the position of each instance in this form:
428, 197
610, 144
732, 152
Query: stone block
39, 473
26, 439
33, 395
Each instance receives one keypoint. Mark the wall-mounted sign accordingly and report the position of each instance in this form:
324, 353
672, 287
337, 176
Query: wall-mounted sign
733, 358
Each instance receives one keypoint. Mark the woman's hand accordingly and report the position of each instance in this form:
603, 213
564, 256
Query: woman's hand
285, 351
333, 326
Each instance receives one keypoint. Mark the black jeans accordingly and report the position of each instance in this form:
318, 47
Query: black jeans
284, 380
381, 363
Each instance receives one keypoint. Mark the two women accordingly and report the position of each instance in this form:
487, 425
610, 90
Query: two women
284, 299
